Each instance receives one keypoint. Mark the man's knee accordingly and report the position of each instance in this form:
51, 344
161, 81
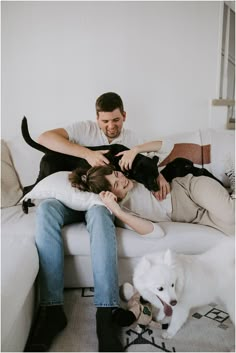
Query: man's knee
50, 208
98, 212
100, 217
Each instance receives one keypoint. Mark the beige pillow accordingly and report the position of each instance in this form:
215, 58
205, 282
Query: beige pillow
11, 191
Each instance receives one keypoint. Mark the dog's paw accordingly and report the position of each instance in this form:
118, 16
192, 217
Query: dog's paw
138, 329
166, 335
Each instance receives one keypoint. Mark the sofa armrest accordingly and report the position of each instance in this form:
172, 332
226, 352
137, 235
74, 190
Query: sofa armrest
11, 191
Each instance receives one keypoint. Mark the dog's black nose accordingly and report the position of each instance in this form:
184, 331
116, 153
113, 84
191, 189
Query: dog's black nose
173, 302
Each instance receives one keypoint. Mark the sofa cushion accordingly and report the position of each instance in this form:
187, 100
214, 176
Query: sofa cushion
180, 237
10, 185
189, 238
14, 222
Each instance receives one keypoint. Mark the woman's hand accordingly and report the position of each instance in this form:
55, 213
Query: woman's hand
164, 188
127, 159
110, 200
139, 225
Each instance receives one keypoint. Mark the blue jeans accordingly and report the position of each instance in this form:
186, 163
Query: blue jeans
52, 215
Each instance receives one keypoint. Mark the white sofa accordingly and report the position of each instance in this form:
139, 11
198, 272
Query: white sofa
20, 165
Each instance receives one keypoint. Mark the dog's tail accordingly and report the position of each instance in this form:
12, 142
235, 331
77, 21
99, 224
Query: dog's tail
28, 139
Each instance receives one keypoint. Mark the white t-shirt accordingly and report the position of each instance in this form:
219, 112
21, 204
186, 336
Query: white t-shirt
140, 202
88, 133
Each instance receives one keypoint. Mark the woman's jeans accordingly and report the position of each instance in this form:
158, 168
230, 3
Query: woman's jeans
52, 215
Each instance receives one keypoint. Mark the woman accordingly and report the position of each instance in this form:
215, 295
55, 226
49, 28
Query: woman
199, 200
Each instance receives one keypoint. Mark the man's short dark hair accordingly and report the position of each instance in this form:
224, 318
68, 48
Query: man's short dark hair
108, 102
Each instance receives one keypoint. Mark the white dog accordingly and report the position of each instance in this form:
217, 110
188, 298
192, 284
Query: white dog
175, 283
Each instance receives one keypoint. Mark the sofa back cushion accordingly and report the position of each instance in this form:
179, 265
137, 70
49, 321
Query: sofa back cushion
26, 160
209, 148
11, 190
186, 145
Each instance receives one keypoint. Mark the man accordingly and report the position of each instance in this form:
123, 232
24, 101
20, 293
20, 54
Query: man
52, 215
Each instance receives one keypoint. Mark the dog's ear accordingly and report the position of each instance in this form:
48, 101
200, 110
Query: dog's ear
155, 159
140, 272
145, 264
179, 285
168, 257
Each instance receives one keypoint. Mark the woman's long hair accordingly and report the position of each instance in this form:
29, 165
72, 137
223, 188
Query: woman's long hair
92, 180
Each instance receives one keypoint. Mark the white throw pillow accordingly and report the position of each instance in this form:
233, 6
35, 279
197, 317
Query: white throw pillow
58, 186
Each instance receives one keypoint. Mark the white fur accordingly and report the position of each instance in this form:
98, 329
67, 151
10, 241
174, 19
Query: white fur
198, 280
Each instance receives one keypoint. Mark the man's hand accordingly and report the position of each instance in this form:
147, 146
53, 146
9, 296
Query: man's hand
164, 188
127, 159
97, 158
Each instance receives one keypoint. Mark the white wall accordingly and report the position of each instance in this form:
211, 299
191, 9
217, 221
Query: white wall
161, 57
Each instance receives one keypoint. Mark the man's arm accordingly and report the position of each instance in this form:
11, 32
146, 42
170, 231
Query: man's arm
58, 140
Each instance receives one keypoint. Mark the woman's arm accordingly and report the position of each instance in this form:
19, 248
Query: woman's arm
128, 156
140, 225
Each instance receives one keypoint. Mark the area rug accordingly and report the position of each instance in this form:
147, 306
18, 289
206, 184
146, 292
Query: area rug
208, 329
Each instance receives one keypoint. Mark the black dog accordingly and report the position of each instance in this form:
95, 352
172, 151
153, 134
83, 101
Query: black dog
180, 167
144, 169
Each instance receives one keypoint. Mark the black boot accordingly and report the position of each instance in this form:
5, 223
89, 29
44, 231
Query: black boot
107, 332
49, 322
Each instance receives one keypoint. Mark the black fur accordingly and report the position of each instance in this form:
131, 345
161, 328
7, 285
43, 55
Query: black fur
180, 167
144, 169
